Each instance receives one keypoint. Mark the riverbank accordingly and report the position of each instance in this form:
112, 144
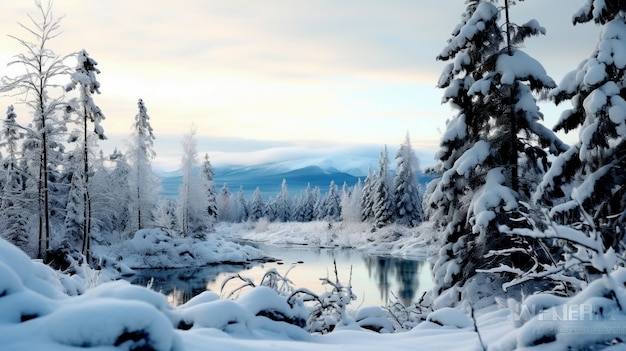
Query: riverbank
415, 243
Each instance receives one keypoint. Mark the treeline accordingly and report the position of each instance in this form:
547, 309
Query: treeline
381, 199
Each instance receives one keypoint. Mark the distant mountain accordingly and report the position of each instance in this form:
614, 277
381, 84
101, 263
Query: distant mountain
269, 178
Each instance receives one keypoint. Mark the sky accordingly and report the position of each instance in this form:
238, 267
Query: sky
275, 76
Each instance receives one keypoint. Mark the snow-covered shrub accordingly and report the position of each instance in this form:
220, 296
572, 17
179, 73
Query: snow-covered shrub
157, 248
269, 297
262, 225
328, 310
318, 313
407, 317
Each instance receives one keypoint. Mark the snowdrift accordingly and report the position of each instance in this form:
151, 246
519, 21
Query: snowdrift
156, 248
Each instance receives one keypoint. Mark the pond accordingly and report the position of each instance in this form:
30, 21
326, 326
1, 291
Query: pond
376, 280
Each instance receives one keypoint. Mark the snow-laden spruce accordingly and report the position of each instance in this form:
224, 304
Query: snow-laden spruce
593, 170
493, 152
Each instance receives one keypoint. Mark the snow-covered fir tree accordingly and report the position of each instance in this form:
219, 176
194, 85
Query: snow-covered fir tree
208, 189
241, 206
13, 220
75, 233
144, 184
84, 79
367, 203
351, 202
168, 216
282, 204
408, 201
332, 203
225, 205
382, 195
591, 174
257, 206
120, 195
495, 135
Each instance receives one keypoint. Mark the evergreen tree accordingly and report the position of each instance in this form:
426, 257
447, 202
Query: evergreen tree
13, 220
283, 204
318, 203
84, 78
242, 211
408, 202
495, 135
382, 196
332, 203
257, 206
144, 183
74, 215
590, 176
225, 205
208, 186
121, 194
367, 202
351, 202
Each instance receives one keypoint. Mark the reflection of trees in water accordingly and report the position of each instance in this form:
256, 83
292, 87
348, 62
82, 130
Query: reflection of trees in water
405, 272
180, 285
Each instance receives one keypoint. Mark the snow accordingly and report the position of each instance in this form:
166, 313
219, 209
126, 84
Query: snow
38, 314
395, 240
156, 248
520, 66
484, 13
492, 197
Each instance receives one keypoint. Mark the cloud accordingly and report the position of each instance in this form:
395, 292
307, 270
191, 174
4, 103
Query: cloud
283, 71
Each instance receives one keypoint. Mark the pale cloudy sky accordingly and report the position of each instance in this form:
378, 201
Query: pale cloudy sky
280, 74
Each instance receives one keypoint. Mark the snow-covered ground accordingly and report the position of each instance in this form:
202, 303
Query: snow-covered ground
155, 248
45, 310
395, 240
42, 309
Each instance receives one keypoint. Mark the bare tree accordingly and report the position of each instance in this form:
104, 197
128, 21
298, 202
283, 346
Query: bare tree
40, 66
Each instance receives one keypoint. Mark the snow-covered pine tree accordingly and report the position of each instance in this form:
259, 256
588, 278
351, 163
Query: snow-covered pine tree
75, 234
144, 184
382, 195
332, 203
12, 217
495, 135
40, 67
225, 204
283, 204
121, 195
594, 167
408, 201
351, 202
84, 79
208, 187
242, 211
257, 206
318, 203
168, 216
367, 203
270, 209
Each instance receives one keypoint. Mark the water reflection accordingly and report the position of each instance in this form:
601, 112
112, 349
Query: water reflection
374, 278
181, 284
405, 273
